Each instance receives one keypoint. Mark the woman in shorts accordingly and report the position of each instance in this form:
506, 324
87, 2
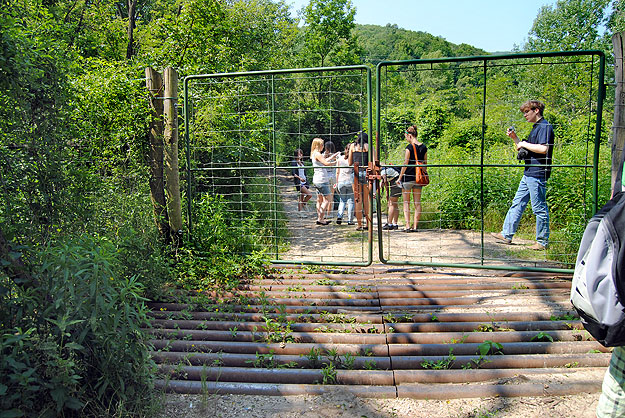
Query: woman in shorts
320, 178
359, 153
415, 151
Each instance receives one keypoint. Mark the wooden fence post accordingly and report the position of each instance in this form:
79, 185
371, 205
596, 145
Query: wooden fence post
154, 84
172, 175
618, 140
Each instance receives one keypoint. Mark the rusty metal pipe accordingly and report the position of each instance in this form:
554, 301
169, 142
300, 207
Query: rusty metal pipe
277, 375
479, 337
265, 348
261, 326
511, 348
248, 360
261, 336
473, 326
477, 375
508, 361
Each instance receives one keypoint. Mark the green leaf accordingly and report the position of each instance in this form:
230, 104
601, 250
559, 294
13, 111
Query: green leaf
74, 346
11, 413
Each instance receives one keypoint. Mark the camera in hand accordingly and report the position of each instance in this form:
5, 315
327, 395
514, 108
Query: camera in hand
523, 154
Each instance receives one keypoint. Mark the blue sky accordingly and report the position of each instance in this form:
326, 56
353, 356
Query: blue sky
493, 25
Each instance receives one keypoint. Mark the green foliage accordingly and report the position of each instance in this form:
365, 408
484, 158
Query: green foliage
442, 364
542, 337
489, 347
433, 119
75, 345
571, 25
328, 32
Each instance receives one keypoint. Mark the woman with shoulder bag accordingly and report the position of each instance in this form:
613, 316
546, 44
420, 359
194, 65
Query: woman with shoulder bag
415, 153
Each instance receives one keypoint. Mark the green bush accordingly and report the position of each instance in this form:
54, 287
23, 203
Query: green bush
221, 250
75, 344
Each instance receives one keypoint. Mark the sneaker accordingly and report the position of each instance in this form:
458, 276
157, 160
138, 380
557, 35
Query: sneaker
537, 247
387, 227
395, 226
339, 221
351, 223
500, 238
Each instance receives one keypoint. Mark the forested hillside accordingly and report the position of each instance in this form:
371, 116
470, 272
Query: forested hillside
79, 248
391, 43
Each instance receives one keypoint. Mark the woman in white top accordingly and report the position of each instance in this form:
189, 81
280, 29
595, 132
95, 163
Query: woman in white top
344, 184
320, 178
329, 149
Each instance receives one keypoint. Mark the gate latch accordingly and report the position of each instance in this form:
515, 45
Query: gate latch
373, 172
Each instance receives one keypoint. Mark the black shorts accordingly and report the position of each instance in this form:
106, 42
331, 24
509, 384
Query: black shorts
299, 186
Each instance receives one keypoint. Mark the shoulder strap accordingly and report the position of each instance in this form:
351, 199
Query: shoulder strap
416, 158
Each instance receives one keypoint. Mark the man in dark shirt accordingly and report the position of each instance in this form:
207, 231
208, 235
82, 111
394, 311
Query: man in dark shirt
533, 186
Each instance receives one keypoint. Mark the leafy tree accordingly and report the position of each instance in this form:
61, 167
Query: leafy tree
327, 31
571, 25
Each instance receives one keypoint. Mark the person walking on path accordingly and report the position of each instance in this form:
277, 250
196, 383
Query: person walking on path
359, 153
320, 178
536, 151
299, 178
329, 150
415, 152
344, 187
389, 179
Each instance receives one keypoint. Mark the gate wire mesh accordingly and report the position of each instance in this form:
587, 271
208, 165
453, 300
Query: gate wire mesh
242, 130
463, 107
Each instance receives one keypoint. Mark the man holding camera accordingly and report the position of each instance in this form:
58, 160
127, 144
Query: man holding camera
536, 151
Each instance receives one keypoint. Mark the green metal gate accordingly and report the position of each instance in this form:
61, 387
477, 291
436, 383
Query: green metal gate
461, 205
241, 131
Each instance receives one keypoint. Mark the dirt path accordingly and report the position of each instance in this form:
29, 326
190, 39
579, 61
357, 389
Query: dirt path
344, 244
341, 405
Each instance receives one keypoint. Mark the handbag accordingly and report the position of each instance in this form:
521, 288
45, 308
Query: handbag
421, 174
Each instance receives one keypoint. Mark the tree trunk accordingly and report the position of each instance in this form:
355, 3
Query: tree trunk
618, 141
172, 178
154, 84
132, 11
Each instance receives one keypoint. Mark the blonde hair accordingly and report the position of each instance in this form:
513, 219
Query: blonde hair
317, 145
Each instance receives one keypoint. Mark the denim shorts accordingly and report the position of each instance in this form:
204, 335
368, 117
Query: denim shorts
409, 185
362, 177
323, 188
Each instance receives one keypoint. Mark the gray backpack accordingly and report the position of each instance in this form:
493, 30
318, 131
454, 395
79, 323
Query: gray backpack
598, 288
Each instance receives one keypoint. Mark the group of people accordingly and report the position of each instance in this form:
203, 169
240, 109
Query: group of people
335, 172
344, 173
